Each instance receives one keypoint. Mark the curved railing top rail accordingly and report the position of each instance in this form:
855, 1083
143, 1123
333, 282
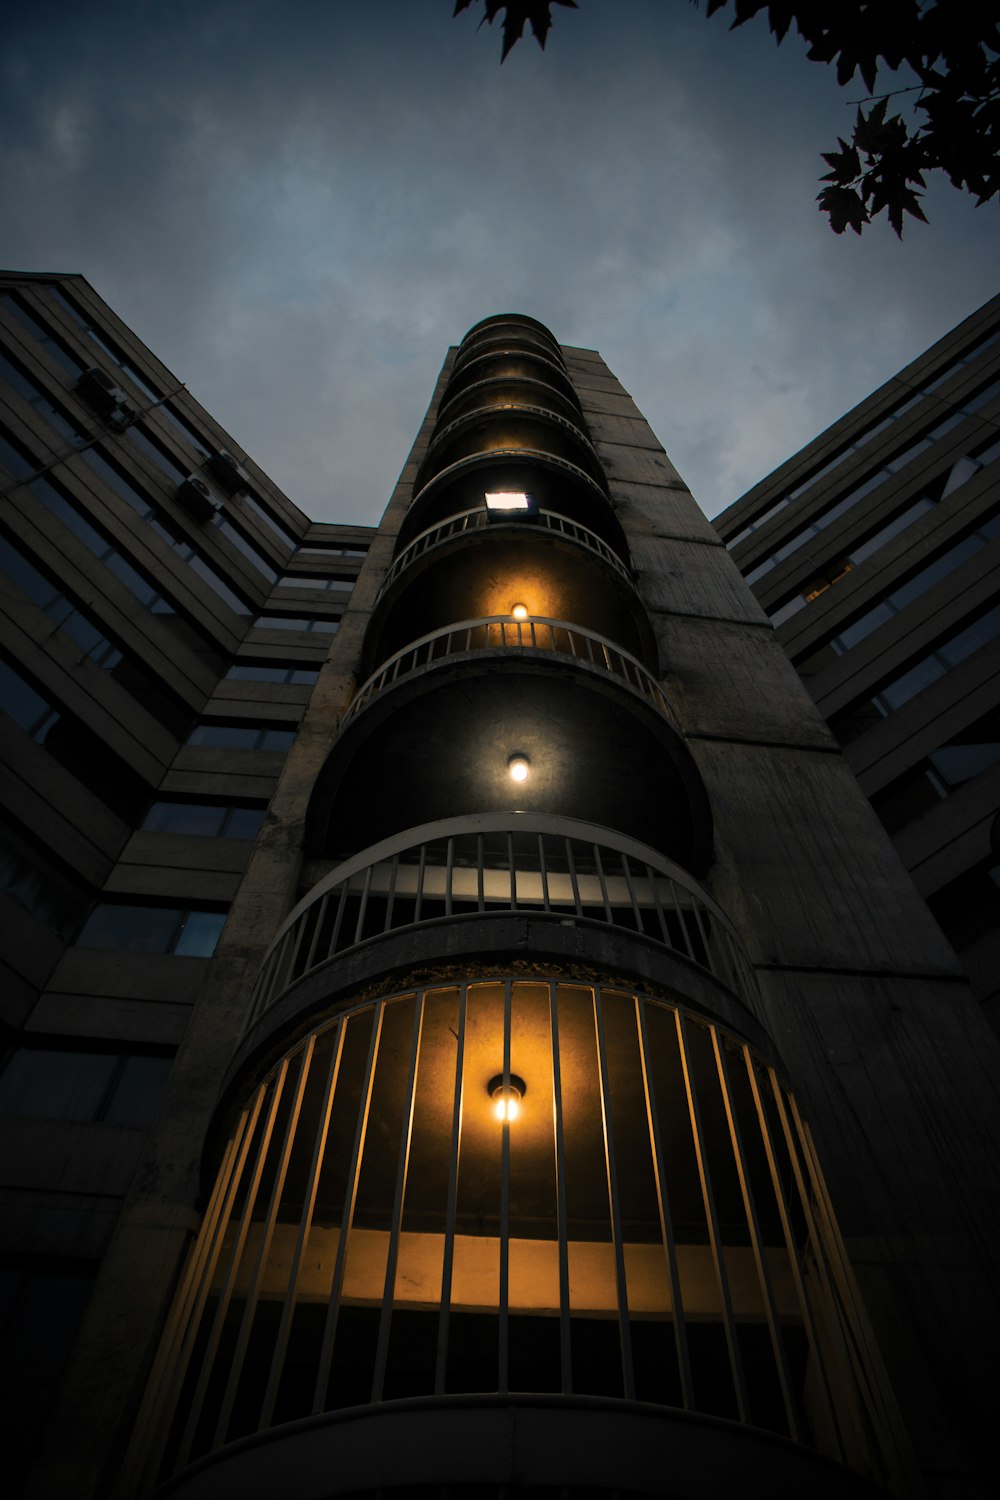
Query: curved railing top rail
478, 517
481, 388
477, 413
485, 354
513, 456
502, 633
610, 878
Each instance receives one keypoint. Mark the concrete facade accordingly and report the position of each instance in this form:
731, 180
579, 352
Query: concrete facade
666, 732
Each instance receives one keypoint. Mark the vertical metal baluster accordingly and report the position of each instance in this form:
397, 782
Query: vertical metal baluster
263, 1250
571, 863
448, 870
512, 871
682, 921
479, 872
794, 1259
362, 909
621, 1284
298, 933
636, 910
321, 910
756, 1242
447, 1264
172, 1360
562, 1226
703, 931
232, 1270
347, 1216
503, 1325
663, 1205
543, 872
305, 1225
395, 1223
391, 898
421, 872
717, 1248
341, 889
661, 917
603, 884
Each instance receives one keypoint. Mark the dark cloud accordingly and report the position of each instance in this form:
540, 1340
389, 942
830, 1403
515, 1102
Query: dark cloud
299, 206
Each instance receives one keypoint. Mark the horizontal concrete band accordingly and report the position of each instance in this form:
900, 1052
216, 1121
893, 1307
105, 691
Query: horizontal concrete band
501, 1440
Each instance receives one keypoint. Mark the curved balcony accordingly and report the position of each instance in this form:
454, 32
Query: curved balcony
478, 518
516, 323
385, 1262
517, 423
507, 336
501, 633
554, 482
506, 361
497, 389
501, 863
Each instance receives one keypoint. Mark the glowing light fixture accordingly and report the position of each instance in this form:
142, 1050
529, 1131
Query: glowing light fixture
506, 1101
519, 611
518, 766
507, 500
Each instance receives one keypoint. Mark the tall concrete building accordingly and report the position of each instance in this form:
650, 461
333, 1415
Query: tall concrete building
561, 1085
874, 553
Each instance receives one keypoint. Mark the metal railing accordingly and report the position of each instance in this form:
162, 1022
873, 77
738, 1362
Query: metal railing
501, 633
652, 1227
475, 520
517, 408
504, 862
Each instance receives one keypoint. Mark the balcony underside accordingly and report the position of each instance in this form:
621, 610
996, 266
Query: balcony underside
543, 1443
485, 570
437, 744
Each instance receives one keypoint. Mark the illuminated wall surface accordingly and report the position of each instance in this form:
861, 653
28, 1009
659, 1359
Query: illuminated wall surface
504, 1049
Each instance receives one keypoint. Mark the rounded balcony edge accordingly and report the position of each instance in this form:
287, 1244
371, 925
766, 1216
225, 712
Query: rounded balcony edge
540, 1441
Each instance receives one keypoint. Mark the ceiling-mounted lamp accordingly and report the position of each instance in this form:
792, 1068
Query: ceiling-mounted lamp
518, 766
504, 505
519, 611
506, 1097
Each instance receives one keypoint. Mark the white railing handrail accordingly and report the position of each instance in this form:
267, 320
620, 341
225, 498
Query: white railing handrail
526, 632
552, 520
281, 964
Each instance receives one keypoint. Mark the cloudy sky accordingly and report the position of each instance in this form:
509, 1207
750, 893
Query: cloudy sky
299, 204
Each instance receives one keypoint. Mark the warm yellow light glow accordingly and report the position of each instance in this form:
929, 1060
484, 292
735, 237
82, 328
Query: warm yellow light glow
507, 500
519, 611
518, 767
506, 1101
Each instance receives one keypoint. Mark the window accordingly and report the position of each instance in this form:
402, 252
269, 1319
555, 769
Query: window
60, 609
56, 418
324, 624
249, 551
276, 526
69, 1083
893, 603
857, 718
53, 347
235, 736
968, 908
33, 878
141, 439
205, 819
334, 549
143, 506
104, 342
339, 582
130, 928
243, 671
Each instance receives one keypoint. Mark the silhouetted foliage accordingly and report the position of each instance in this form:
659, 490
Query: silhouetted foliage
516, 14
951, 48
